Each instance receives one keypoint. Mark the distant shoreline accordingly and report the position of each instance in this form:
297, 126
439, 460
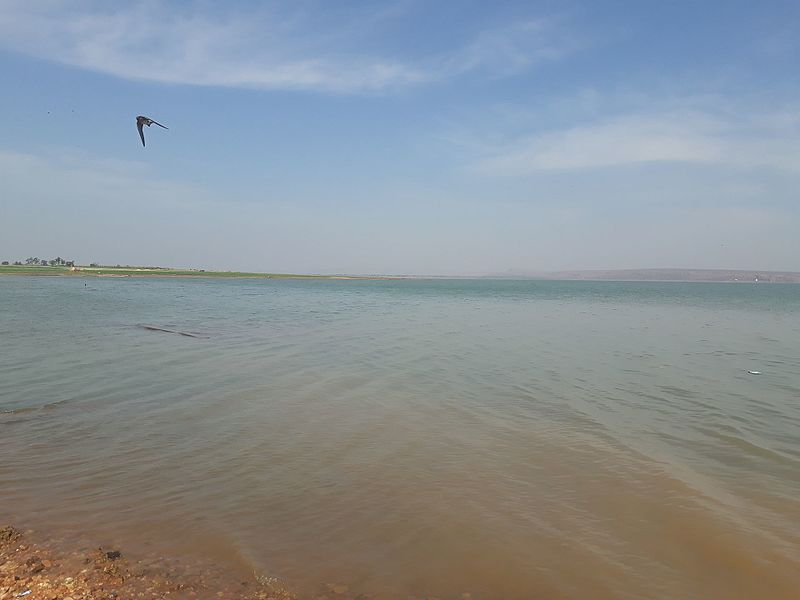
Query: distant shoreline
663, 275
621, 275
126, 272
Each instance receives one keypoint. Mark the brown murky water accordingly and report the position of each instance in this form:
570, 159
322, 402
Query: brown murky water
412, 438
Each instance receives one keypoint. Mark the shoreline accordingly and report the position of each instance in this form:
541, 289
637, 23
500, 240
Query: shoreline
42, 563
37, 568
725, 276
176, 273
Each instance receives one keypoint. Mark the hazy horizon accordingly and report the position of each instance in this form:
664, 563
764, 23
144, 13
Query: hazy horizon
409, 139
506, 274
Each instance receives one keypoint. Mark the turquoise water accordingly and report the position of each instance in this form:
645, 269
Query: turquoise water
508, 439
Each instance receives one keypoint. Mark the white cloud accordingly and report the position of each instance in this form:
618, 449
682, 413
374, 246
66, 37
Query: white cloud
148, 42
691, 137
264, 50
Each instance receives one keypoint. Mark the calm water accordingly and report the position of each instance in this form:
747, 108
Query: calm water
508, 439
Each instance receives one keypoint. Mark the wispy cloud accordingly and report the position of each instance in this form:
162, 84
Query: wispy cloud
67, 177
263, 49
741, 140
147, 42
517, 47
93, 208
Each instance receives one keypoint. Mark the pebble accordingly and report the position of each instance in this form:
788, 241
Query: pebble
106, 575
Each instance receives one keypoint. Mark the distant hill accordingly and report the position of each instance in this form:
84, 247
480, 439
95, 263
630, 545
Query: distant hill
663, 275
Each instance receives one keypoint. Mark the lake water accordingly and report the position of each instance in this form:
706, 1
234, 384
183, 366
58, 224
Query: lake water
506, 439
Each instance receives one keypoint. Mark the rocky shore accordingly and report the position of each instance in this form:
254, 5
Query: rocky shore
41, 571
36, 569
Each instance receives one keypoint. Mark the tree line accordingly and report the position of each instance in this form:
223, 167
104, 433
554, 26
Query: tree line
41, 262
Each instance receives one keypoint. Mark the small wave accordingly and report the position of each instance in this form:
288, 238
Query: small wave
751, 448
6, 418
19, 411
32, 409
162, 329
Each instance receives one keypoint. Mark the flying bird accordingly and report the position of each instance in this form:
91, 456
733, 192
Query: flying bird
141, 122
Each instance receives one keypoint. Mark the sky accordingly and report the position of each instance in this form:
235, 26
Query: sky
406, 137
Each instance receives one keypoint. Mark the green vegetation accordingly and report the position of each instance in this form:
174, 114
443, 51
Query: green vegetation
53, 262
43, 268
33, 270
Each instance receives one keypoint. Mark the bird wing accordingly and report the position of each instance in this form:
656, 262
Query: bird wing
159, 124
141, 131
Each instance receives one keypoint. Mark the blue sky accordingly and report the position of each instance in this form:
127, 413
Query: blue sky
406, 137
